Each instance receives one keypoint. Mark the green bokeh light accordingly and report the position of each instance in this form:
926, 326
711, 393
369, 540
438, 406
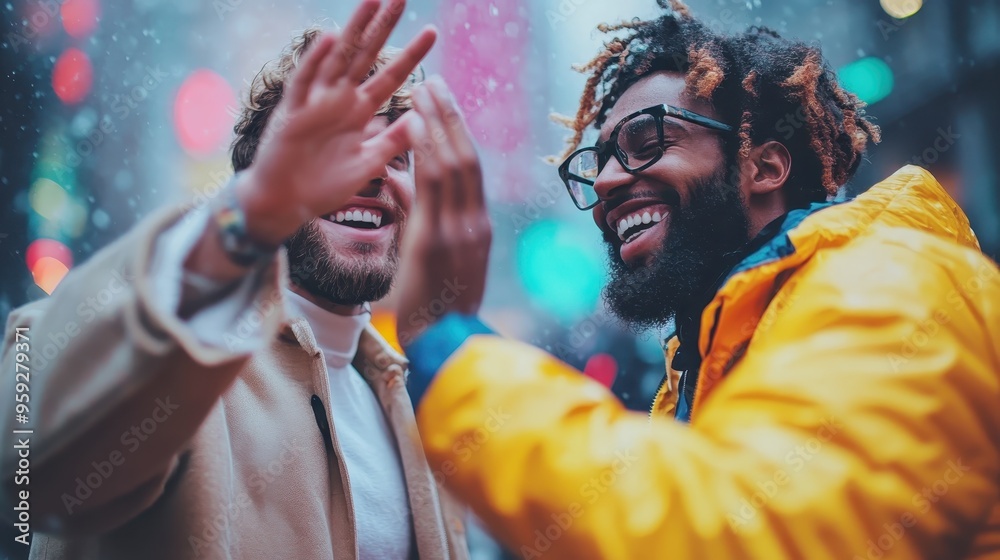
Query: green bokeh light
561, 266
870, 79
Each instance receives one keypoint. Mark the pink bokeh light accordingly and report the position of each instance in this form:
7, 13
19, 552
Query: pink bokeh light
203, 112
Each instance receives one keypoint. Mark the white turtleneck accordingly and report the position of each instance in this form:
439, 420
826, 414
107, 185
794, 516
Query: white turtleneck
378, 489
375, 473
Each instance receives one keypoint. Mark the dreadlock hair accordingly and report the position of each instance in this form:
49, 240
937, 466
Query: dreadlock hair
269, 84
768, 87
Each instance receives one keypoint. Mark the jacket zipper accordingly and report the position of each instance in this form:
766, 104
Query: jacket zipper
666, 376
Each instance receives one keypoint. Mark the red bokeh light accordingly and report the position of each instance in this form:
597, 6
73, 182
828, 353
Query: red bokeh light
602, 368
203, 112
72, 76
47, 248
79, 17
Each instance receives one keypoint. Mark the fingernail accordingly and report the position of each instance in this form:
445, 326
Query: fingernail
420, 94
439, 85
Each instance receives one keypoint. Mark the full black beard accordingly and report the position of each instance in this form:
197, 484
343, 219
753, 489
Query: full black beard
713, 225
336, 278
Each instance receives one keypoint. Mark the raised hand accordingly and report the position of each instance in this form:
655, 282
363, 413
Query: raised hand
313, 156
447, 242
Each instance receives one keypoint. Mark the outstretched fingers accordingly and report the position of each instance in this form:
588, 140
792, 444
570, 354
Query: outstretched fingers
399, 69
308, 68
366, 46
335, 67
462, 147
437, 162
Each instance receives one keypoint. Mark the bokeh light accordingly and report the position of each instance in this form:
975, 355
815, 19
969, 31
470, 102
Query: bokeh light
47, 198
602, 368
41, 248
561, 268
385, 323
48, 272
901, 9
72, 76
79, 17
870, 79
202, 112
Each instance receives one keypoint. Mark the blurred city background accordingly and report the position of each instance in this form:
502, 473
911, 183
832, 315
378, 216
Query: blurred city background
112, 109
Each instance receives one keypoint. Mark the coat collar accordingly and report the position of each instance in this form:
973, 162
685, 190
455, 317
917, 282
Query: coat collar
375, 357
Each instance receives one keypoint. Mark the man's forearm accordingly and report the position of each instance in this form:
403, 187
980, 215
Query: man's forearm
127, 361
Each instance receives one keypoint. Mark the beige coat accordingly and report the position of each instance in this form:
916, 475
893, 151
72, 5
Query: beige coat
134, 454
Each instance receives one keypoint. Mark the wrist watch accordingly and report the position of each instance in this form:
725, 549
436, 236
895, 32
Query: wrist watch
230, 222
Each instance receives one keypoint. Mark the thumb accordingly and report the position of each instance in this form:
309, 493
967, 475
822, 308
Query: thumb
416, 131
391, 142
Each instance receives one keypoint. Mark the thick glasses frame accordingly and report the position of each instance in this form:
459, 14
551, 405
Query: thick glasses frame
605, 149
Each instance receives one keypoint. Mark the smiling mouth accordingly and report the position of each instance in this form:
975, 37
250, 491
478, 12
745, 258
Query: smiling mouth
634, 225
359, 217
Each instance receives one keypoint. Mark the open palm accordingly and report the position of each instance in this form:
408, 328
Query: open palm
313, 155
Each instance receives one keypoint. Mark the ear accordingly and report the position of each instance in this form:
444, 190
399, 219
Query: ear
767, 168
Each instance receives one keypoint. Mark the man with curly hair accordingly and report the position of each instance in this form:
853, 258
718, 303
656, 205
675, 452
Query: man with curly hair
229, 398
832, 387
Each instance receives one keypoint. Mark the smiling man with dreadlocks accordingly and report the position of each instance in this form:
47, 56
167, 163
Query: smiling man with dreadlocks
832, 388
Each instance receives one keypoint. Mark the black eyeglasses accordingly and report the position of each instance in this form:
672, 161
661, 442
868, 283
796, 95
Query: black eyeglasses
636, 142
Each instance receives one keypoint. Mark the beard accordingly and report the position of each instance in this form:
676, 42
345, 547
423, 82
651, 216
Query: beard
361, 276
711, 227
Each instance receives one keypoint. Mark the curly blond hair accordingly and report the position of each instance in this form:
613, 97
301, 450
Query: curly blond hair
268, 85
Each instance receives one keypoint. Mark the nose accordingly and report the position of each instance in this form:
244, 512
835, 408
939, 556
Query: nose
612, 178
374, 186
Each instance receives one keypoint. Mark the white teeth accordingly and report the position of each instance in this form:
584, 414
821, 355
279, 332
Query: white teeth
371, 216
624, 224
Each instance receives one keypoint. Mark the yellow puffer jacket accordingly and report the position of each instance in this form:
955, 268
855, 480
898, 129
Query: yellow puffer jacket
848, 406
